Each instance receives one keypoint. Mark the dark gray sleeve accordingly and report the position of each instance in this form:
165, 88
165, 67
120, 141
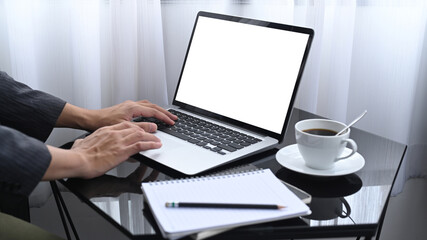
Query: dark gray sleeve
27, 118
23, 162
29, 111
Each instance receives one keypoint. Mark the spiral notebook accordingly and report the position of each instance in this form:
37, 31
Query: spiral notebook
253, 187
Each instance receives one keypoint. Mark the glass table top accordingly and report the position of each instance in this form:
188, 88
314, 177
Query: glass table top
352, 204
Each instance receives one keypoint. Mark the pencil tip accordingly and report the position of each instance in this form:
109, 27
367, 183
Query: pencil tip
280, 207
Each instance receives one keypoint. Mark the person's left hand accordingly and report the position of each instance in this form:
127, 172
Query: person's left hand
128, 110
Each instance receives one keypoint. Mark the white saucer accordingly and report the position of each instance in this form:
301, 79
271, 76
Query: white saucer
290, 158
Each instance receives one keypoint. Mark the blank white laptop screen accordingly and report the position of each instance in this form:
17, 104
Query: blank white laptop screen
229, 73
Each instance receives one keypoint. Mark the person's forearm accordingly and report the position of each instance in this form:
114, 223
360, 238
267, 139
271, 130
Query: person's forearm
64, 164
76, 117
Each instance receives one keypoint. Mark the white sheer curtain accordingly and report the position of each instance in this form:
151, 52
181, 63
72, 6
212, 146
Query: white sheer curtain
90, 53
367, 54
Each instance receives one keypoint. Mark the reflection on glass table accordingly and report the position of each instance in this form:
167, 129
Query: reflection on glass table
342, 206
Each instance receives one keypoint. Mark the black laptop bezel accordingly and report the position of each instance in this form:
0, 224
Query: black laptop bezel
235, 122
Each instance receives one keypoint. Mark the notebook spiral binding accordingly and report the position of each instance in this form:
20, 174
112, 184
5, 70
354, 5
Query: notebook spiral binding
229, 173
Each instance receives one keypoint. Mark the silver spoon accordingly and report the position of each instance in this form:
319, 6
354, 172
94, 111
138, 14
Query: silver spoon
352, 123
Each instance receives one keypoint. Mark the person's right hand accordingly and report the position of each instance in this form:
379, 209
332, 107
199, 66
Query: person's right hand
99, 152
108, 146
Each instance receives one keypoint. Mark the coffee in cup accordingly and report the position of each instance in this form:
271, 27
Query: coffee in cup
318, 144
321, 131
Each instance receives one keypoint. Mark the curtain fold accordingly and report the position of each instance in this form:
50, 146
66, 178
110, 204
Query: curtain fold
367, 54
92, 54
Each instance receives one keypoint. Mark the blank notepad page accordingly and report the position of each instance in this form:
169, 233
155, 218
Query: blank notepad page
256, 187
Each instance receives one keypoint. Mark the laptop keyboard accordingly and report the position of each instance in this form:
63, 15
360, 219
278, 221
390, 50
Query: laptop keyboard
205, 134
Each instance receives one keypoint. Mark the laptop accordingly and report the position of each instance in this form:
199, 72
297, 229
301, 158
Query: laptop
235, 93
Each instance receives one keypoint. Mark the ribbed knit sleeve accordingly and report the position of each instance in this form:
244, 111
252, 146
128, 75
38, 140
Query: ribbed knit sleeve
23, 162
29, 111
27, 118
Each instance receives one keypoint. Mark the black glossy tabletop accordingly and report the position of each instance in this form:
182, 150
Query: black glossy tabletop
349, 205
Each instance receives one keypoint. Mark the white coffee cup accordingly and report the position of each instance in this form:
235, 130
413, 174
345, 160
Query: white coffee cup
322, 151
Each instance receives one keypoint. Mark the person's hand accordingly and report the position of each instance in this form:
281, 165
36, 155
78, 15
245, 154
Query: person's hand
128, 110
108, 146
99, 152
81, 118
